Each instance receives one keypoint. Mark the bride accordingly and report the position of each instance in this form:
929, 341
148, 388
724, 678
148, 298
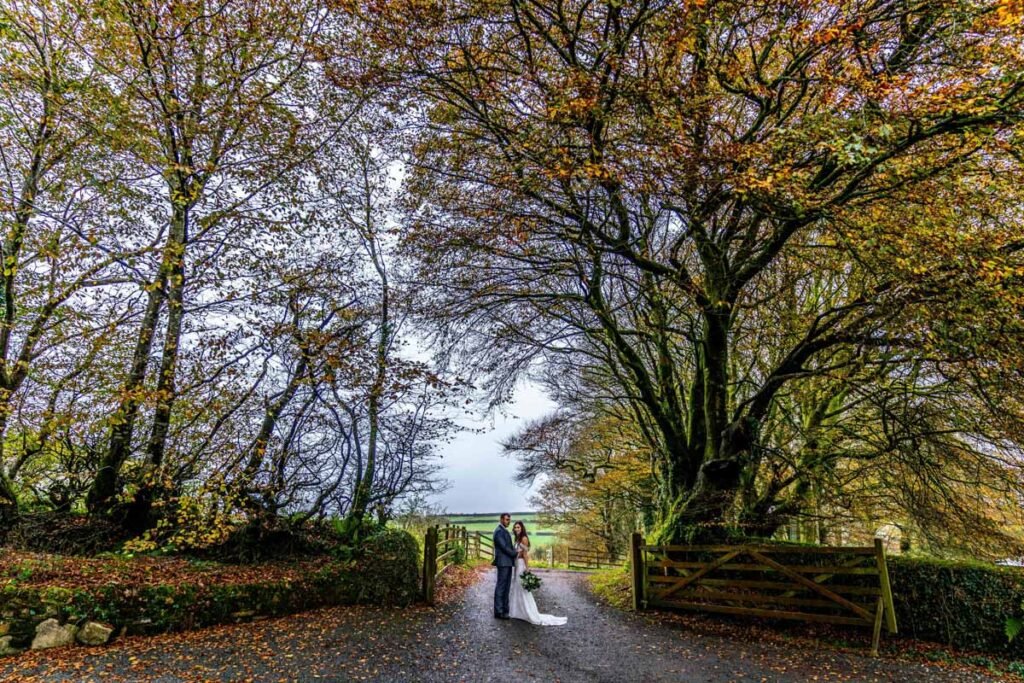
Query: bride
521, 602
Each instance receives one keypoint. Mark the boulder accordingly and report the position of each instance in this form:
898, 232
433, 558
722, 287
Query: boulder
95, 633
51, 634
5, 647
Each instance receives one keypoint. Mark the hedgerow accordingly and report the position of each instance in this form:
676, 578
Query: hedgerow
384, 570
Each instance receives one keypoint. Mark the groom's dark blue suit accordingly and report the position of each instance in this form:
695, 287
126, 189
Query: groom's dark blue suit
504, 560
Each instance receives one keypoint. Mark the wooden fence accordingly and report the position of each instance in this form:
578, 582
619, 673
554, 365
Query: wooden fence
442, 546
482, 546
589, 558
775, 581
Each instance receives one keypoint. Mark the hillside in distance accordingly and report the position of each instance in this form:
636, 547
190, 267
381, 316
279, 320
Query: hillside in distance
486, 521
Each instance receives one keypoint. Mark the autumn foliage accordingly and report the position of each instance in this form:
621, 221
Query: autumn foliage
766, 257
202, 315
782, 239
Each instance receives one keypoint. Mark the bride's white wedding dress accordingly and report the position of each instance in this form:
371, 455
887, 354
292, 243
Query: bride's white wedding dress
521, 604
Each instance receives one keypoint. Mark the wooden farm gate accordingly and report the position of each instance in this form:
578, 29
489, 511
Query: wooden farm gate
590, 558
441, 548
807, 583
482, 546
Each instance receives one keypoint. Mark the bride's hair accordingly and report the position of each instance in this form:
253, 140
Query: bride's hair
522, 531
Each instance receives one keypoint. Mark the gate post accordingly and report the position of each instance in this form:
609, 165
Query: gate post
883, 576
637, 569
429, 564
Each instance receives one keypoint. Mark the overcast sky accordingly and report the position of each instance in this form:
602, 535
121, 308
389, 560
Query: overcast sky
481, 478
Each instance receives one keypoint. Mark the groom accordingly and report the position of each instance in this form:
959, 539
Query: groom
504, 560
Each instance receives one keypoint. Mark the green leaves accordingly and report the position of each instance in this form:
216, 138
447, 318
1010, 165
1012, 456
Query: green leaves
1013, 627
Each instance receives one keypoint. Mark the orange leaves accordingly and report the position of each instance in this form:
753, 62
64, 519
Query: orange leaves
452, 584
1010, 12
836, 33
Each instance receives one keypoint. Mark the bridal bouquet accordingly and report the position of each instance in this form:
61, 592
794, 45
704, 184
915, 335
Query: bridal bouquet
530, 581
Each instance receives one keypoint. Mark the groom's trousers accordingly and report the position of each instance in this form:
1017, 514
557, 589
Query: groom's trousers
501, 590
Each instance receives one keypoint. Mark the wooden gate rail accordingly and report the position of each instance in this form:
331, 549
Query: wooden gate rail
588, 558
775, 581
483, 546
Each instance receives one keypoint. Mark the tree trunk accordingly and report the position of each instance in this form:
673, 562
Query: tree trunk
104, 487
11, 250
715, 349
8, 498
701, 511
138, 514
258, 448
364, 489
169, 359
8, 503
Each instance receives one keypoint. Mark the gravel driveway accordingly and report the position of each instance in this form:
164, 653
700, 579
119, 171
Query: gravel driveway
463, 642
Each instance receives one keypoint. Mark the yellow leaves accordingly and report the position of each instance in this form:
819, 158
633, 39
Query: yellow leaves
571, 110
1010, 13
596, 171
10, 266
559, 172
762, 180
996, 271
142, 544
566, 169
910, 266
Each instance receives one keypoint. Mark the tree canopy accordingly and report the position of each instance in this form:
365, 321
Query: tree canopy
785, 236
767, 258
205, 316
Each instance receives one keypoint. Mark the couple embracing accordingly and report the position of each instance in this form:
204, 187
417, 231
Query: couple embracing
511, 600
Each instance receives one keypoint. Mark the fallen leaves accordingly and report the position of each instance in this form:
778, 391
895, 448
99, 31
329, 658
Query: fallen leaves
45, 570
454, 581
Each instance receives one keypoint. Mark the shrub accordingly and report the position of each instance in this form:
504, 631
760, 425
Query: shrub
460, 556
958, 603
262, 540
389, 561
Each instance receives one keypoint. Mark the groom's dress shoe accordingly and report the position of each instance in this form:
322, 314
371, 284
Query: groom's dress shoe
503, 616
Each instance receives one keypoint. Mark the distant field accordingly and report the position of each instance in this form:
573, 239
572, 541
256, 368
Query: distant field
487, 521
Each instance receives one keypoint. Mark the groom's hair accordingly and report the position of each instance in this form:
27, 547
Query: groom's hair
503, 515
